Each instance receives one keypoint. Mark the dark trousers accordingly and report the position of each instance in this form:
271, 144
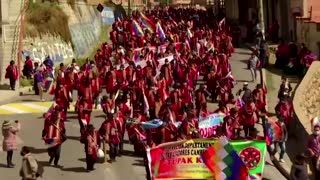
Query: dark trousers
247, 129
54, 153
35, 86
282, 146
314, 164
113, 151
147, 169
90, 162
12, 83
9, 157
121, 146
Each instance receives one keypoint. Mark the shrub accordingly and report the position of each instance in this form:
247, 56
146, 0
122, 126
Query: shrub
24, 82
46, 17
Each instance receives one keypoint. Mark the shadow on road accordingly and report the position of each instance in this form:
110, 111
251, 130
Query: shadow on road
75, 138
44, 163
242, 81
3, 166
138, 162
245, 61
38, 151
129, 153
100, 116
274, 70
75, 169
82, 159
72, 117
125, 141
28, 100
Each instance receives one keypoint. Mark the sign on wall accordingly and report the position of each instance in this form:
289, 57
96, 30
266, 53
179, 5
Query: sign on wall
107, 16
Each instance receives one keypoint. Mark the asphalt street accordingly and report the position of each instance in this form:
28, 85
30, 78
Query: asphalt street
72, 159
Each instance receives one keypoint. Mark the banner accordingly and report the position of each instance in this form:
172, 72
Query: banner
181, 160
107, 16
208, 125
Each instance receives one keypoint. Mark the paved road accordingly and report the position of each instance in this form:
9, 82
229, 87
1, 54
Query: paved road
72, 157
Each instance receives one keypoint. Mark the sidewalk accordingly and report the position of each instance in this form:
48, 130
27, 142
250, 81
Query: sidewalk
296, 140
9, 95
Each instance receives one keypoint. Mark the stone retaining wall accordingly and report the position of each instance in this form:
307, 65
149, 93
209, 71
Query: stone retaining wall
306, 101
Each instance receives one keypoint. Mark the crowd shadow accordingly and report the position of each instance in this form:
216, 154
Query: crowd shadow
243, 52
245, 61
82, 160
297, 140
28, 100
34, 150
44, 163
138, 162
74, 169
72, 117
272, 69
100, 116
129, 153
3, 165
126, 141
75, 138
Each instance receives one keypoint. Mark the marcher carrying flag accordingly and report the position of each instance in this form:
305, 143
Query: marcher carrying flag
272, 129
146, 23
136, 29
160, 32
146, 103
222, 24
224, 161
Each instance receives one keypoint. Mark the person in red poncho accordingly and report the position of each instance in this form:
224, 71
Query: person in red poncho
259, 98
110, 132
53, 135
92, 145
190, 125
284, 109
248, 116
62, 97
12, 74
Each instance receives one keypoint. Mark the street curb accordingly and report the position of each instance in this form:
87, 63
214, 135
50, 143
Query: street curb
17, 93
272, 158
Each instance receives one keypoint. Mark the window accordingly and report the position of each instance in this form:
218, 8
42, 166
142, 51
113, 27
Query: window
318, 27
221, 4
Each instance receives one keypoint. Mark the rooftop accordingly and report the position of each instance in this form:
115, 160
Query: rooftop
314, 7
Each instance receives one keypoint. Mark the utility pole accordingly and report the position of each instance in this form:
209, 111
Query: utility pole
261, 17
129, 7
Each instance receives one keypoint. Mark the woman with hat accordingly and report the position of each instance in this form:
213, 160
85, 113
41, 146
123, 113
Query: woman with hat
9, 133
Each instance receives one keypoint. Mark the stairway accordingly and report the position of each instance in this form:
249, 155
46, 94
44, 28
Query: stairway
10, 38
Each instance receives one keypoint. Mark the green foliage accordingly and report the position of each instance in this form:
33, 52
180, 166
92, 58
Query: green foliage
24, 82
46, 17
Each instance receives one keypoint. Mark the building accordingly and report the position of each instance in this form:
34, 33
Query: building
308, 25
243, 11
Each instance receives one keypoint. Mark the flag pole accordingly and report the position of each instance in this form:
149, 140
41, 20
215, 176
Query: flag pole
261, 16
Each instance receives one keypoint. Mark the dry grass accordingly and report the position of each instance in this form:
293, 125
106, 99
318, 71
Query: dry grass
45, 17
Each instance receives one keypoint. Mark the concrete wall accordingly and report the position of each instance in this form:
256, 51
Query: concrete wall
306, 104
4, 10
39, 48
85, 27
307, 33
232, 10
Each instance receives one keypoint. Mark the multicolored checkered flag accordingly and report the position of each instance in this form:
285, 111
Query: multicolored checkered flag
223, 160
